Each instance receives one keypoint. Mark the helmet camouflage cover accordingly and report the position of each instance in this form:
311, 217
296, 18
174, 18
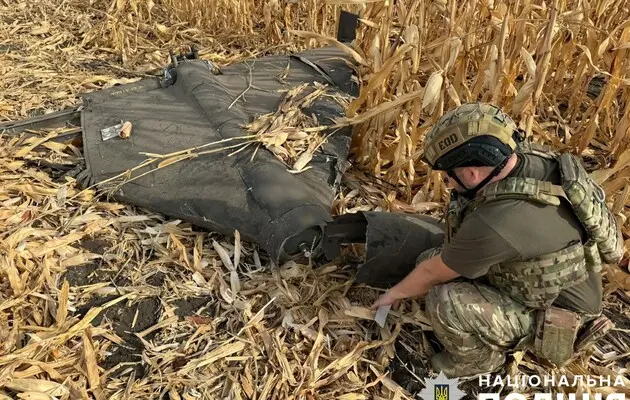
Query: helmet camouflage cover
464, 123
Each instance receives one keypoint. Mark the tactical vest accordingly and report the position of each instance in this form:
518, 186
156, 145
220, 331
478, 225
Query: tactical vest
537, 282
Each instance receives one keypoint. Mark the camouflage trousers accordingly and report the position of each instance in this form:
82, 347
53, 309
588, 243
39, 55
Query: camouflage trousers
477, 324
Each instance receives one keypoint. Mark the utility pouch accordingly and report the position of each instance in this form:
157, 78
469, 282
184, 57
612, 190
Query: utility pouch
592, 256
589, 203
556, 330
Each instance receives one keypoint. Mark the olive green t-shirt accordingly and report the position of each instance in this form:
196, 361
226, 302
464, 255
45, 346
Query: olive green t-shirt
511, 230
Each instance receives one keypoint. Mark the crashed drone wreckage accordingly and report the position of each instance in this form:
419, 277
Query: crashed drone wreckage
192, 104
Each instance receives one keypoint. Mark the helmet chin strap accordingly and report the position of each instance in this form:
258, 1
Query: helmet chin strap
471, 193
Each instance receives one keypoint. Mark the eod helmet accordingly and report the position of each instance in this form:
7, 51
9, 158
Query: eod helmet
471, 135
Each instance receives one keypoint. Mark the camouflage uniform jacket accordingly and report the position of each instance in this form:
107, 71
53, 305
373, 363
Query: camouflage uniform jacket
537, 282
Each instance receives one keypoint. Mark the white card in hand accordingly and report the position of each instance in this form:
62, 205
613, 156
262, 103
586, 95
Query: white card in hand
381, 315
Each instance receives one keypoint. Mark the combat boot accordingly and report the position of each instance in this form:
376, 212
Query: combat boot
592, 332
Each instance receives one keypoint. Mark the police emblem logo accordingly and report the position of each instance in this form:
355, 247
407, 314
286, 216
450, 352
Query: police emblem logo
441, 388
441, 391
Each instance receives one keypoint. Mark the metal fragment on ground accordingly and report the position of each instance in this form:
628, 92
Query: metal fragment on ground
381, 315
110, 132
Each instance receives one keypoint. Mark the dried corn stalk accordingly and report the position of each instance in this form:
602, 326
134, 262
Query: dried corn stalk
290, 133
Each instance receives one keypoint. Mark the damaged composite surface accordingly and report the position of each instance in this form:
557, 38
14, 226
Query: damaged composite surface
191, 157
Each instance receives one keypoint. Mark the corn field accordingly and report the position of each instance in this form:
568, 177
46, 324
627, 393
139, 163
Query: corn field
100, 300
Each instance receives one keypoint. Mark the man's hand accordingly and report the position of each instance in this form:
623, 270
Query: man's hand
419, 281
390, 297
